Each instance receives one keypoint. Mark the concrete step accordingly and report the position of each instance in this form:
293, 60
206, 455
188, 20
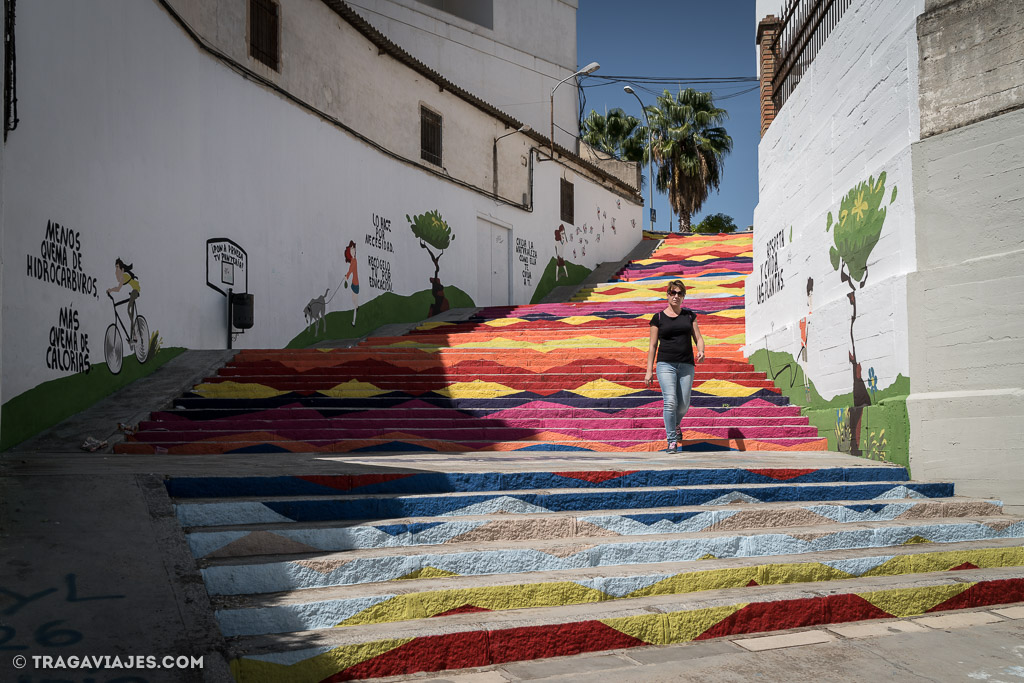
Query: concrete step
391, 398
345, 606
242, 540
261, 442
468, 640
539, 409
508, 482
413, 385
473, 430
281, 421
395, 506
277, 573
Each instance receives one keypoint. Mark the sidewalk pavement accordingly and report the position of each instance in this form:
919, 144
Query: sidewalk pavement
940, 649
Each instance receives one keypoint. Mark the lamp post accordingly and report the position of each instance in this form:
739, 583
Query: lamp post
494, 156
650, 154
588, 69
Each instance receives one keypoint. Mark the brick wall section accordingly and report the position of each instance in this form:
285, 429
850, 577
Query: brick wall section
971, 62
767, 29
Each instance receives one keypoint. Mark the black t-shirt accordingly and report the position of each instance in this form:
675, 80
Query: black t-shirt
675, 336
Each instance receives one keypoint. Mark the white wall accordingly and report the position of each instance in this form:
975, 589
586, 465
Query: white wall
513, 66
967, 331
145, 147
853, 116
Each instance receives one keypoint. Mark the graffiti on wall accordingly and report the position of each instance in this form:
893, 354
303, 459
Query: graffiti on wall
69, 345
432, 231
380, 266
60, 260
855, 234
771, 280
528, 257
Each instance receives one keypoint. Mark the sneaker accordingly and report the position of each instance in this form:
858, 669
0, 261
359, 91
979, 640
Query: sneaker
671, 447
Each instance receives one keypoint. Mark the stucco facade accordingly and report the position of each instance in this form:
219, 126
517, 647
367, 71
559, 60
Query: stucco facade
140, 139
514, 63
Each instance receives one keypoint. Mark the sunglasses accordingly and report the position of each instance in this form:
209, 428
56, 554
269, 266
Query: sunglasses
675, 292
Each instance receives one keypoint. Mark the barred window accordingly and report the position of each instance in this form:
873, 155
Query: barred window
568, 202
430, 136
264, 25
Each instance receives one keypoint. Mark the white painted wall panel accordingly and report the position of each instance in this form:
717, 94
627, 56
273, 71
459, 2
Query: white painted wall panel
146, 147
853, 116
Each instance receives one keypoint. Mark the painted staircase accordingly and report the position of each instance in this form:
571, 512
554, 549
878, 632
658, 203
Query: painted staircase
565, 376
584, 540
442, 561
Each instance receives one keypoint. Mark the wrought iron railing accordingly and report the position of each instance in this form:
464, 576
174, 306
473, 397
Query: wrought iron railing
805, 26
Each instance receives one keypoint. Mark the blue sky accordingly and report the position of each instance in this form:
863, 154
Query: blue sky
679, 39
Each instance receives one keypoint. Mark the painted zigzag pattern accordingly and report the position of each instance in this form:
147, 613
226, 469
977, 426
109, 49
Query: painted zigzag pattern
389, 608
400, 656
539, 377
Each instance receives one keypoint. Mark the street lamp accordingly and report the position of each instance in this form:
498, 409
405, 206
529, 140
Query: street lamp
494, 156
650, 153
588, 69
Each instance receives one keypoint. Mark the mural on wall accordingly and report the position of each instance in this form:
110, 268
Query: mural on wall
315, 310
867, 421
560, 241
69, 349
432, 231
136, 333
805, 323
855, 234
353, 274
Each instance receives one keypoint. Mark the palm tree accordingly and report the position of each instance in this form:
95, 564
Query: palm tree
689, 148
617, 134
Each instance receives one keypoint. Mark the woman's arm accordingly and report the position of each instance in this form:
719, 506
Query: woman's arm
652, 349
697, 337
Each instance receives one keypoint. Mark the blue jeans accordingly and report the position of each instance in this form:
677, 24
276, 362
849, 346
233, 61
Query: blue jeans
676, 380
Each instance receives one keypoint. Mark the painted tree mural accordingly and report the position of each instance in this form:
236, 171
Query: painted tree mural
432, 231
856, 233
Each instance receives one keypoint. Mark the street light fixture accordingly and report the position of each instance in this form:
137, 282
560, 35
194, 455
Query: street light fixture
650, 154
588, 69
494, 156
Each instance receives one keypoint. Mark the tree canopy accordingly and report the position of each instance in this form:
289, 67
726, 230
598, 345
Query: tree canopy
617, 134
429, 227
716, 222
689, 148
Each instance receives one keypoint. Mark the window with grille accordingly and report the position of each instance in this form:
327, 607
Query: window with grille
568, 202
430, 136
264, 21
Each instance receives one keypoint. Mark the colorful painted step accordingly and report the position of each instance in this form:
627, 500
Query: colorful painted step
306, 591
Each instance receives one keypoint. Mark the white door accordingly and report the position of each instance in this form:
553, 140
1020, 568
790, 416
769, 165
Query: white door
500, 253
494, 263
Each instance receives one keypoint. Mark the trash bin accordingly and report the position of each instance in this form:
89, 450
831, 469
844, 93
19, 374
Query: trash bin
241, 311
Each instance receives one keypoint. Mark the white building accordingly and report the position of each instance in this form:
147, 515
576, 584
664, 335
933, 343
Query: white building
511, 54
296, 131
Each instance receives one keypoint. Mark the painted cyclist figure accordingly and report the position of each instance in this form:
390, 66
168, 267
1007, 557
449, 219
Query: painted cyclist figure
125, 276
673, 331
